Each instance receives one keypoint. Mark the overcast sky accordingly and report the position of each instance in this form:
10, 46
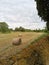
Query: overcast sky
20, 13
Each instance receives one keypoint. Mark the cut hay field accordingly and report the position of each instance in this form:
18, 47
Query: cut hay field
35, 54
8, 51
6, 39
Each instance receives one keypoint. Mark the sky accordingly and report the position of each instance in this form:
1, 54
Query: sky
20, 13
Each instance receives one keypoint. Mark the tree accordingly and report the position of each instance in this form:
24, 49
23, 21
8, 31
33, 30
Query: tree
20, 29
3, 27
16, 29
43, 10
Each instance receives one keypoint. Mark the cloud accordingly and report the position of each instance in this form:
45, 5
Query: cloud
20, 12
27, 25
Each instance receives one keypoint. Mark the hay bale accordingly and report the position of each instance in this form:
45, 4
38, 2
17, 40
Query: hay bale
16, 41
20, 35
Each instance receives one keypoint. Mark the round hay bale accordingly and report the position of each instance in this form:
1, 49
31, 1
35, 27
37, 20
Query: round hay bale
16, 41
20, 35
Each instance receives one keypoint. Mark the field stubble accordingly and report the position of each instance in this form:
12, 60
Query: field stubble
7, 50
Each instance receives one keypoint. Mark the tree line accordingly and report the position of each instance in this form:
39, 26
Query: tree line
4, 28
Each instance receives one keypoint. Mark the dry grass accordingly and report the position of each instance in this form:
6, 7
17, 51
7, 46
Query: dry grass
35, 54
6, 39
8, 51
